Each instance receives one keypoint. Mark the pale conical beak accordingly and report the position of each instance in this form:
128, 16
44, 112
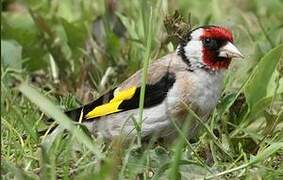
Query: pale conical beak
230, 51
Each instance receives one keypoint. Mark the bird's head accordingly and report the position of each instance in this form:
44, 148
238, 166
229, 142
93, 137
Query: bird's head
209, 47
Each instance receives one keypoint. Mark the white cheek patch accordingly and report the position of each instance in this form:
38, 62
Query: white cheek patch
193, 49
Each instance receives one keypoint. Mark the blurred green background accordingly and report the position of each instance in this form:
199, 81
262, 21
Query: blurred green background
72, 51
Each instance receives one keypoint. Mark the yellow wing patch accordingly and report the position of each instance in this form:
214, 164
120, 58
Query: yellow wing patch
113, 105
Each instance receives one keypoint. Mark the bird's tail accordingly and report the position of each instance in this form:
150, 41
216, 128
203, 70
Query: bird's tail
74, 115
79, 114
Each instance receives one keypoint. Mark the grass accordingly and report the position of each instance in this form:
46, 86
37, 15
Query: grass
59, 55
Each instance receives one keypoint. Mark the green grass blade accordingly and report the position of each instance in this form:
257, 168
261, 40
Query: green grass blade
50, 109
17, 172
266, 153
144, 73
256, 88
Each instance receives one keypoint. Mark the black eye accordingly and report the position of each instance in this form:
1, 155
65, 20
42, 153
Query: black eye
207, 41
210, 43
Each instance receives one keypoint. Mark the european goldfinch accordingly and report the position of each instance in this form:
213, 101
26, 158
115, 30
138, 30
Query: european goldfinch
191, 76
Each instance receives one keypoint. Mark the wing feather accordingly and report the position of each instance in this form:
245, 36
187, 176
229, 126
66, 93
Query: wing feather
126, 96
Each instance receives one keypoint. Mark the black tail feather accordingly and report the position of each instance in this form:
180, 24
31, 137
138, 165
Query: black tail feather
72, 114
75, 114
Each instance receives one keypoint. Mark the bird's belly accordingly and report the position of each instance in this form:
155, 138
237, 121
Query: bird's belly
206, 92
206, 101
156, 121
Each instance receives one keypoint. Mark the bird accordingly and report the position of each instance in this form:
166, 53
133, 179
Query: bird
191, 76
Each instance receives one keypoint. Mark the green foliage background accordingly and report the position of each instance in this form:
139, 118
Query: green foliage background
68, 52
